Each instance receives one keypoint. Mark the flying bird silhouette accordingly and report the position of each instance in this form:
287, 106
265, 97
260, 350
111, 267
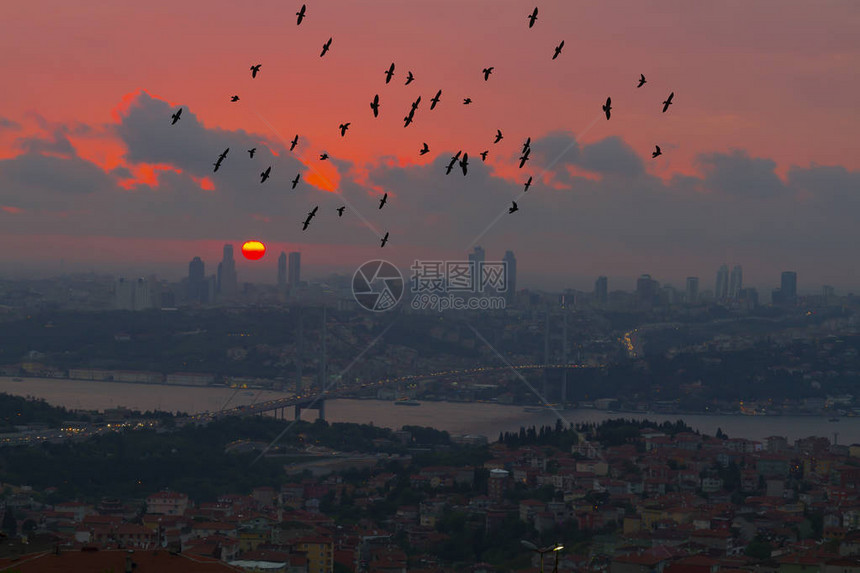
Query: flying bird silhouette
415, 103
326, 46
251, 152
374, 105
389, 72
525, 157
483, 155
409, 78
265, 174
453, 162
234, 98
408, 119
254, 70
383, 200
487, 72
668, 102
527, 144
384, 240
323, 156
467, 101
558, 50
642, 81
294, 142
296, 180
343, 127
340, 211
220, 159
532, 17
499, 136
424, 150
310, 216
464, 163
435, 100
513, 207
175, 116
217, 164
301, 15
528, 184
657, 152
607, 107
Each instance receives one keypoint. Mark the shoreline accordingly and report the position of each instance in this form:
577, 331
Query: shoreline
534, 409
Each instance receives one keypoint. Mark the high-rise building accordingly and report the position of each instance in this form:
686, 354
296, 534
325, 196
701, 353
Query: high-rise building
601, 290
228, 280
511, 280
132, 295
123, 291
692, 291
736, 282
646, 289
788, 286
197, 287
828, 295
721, 289
295, 269
477, 258
282, 272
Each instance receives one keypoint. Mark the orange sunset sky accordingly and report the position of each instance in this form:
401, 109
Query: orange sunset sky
760, 163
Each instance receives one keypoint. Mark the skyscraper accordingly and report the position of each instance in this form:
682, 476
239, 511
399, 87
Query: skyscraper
692, 292
123, 294
601, 290
721, 289
228, 280
511, 282
788, 286
646, 289
295, 270
197, 287
477, 257
282, 272
736, 282
132, 295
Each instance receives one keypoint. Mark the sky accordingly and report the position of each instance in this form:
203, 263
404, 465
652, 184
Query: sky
759, 166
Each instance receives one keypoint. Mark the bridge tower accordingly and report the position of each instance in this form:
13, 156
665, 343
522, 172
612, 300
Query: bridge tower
299, 352
564, 358
323, 384
546, 358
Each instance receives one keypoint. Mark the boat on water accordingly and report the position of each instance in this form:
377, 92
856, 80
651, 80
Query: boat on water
405, 402
535, 409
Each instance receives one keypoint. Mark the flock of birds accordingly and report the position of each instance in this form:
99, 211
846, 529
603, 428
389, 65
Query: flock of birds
374, 106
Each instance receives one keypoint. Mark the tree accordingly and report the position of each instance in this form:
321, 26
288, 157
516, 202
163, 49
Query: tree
10, 524
759, 549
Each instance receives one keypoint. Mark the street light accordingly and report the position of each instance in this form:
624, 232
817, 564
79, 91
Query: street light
540, 551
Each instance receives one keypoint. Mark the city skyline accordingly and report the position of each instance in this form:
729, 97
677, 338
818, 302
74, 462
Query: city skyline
289, 265
98, 176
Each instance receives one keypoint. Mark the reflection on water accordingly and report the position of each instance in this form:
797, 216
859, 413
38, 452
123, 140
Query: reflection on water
454, 417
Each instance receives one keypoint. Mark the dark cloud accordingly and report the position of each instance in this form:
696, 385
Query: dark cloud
57, 143
737, 173
150, 137
9, 124
611, 156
